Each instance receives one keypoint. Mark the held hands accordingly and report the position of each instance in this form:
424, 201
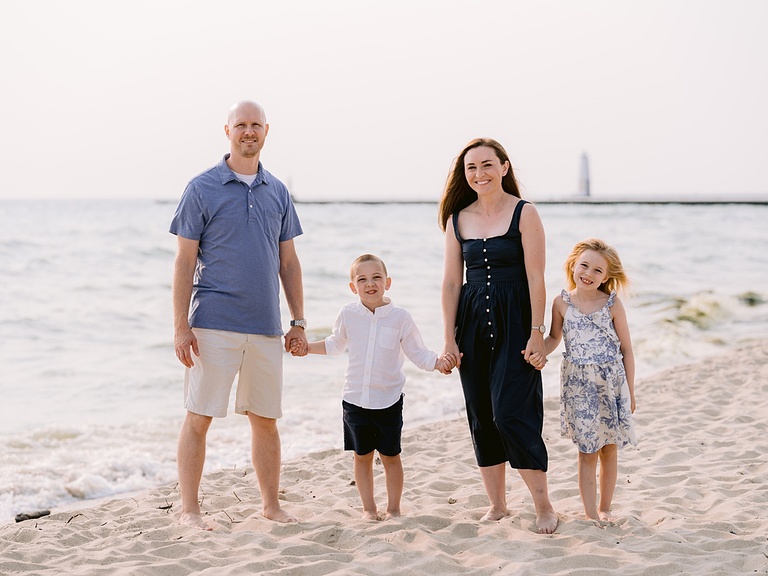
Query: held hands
296, 342
534, 352
536, 359
447, 362
298, 348
450, 358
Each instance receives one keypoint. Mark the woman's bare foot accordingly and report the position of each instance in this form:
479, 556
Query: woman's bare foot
495, 514
279, 515
370, 515
195, 521
546, 521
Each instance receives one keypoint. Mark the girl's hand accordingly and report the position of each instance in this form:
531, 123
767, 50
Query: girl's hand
536, 359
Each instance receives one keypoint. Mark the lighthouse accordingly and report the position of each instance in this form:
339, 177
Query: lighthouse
584, 178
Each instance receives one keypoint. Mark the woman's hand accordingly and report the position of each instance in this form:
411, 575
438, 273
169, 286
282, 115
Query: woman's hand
451, 350
534, 352
447, 362
536, 360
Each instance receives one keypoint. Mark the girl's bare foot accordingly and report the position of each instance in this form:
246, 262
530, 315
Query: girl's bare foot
607, 517
495, 514
195, 521
546, 522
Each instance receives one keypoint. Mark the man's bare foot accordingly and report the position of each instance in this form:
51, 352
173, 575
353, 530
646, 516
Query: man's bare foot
195, 521
546, 521
392, 514
370, 515
279, 515
495, 514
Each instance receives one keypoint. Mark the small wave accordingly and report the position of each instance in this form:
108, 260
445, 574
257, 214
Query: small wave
751, 299
55, 466
703, 310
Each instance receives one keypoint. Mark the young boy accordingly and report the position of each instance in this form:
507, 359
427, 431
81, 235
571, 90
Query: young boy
377, 334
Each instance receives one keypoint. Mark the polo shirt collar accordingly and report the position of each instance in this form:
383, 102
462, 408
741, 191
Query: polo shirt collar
227, 175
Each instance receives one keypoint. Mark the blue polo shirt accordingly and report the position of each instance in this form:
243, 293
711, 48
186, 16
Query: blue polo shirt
236, 284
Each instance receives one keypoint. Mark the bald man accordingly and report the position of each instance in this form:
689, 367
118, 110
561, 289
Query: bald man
235, 226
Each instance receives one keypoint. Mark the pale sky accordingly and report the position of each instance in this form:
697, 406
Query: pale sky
374, 99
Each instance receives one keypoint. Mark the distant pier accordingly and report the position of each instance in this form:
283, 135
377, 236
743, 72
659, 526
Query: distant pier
745, 200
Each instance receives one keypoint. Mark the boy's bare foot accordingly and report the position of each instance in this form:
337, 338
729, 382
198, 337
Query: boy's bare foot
279, 515
546, 521
495, 514
368, 515
195, 521
596, 521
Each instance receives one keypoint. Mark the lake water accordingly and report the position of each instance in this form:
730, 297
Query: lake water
91, 392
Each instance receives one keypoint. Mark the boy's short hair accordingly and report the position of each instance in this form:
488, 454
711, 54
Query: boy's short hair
366, 258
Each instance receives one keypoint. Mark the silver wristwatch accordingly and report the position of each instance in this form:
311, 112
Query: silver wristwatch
301, 323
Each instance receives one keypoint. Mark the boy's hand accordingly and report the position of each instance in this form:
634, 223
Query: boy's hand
446, 363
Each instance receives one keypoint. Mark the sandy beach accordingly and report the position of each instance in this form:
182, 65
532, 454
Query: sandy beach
692, 498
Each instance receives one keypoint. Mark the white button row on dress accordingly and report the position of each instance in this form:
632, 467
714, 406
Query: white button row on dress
487, 296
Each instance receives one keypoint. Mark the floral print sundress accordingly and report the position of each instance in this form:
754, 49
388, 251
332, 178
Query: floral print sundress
594, 393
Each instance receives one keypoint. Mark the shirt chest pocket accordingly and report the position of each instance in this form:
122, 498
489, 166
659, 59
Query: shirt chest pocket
389, 338
270, 221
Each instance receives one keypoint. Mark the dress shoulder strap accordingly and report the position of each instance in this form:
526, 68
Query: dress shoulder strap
611, 298
514, 226
455, 220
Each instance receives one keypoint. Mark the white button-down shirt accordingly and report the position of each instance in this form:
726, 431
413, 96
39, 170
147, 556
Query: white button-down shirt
377, 344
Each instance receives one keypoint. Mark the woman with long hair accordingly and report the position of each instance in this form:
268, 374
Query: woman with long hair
494, 322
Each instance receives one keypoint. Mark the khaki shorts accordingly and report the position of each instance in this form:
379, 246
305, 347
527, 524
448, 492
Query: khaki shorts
259, 361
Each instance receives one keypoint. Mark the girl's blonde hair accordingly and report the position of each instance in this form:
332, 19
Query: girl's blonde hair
617, 279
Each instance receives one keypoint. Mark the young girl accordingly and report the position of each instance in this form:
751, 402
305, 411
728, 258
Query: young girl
597, 393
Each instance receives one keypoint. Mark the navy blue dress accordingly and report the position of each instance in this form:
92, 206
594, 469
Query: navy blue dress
503, 393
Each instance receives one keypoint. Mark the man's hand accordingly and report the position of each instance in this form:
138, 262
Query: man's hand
185, 345
296, 341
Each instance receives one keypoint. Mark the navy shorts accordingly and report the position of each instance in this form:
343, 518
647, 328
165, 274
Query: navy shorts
366, 429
